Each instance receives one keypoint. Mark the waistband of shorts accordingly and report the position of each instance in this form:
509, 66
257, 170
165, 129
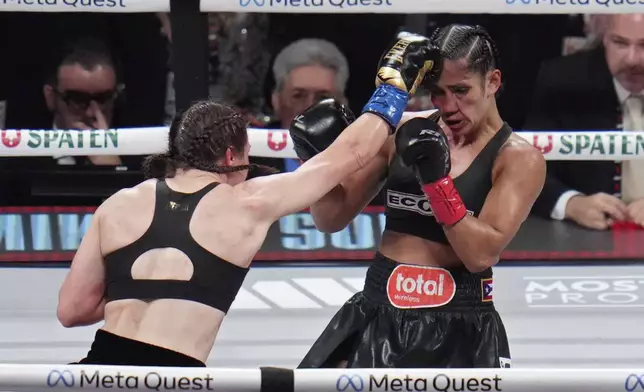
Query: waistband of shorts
471, 290
109, 348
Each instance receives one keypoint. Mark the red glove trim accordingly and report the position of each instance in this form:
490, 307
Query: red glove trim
445, 202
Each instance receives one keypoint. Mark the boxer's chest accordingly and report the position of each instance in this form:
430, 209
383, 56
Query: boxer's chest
461, 160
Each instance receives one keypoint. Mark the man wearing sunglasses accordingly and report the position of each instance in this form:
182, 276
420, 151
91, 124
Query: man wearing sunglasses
81, 95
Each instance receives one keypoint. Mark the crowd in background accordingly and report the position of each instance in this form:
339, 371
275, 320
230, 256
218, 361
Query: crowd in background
561, 72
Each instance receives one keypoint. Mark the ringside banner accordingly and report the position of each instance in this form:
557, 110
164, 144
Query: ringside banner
427, 6
339, 6
475, 380
61, 377
54, 233
125, 6
277, 143
81, 377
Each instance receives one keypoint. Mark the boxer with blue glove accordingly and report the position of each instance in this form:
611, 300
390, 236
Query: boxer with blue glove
409, 61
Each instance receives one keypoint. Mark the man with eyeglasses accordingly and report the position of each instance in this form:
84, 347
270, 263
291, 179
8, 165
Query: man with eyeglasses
81, 93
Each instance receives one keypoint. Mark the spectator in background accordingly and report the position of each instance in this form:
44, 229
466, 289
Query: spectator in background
593, 28
80, 92
597, 89
170, 96
305, 72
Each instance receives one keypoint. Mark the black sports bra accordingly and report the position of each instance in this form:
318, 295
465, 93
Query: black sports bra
215, 282
406, 208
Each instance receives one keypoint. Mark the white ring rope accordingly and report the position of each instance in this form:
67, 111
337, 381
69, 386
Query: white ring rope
339, 6
563, 146
76, 377
277, 144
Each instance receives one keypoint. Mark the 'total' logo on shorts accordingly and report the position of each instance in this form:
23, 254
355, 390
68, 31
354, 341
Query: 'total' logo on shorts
413, 286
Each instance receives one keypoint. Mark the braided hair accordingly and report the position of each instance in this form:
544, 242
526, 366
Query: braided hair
198, 138
472, 43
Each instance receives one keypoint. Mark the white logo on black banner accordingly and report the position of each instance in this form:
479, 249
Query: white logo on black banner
409, 202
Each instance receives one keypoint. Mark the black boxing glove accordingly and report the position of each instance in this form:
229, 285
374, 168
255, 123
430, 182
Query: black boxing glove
402, 68
318, 126
435, 116
423, 146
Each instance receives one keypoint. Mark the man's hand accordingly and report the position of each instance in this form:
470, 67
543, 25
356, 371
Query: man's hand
98, 121
598, 211
636, 212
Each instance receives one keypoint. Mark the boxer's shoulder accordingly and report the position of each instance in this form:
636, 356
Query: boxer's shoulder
517, 143
129, 198
249, 193
137, 192
517, 153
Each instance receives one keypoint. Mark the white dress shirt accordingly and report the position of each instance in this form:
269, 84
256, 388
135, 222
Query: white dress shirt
559, 210
632, 181
63, 160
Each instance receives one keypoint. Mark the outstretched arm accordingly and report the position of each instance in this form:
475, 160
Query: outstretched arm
283, 194
335, 210
401, 70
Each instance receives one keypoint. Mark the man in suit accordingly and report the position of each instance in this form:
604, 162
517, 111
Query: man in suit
597, 89
80, 93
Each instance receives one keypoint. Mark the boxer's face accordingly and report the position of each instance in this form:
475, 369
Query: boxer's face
624, 43
70, 100
464, 97
303, 87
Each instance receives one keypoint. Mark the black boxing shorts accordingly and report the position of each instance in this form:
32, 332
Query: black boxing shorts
411, 316
111, 349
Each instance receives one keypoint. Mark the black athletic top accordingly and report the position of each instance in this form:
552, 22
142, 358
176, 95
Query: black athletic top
407, 210
215, 282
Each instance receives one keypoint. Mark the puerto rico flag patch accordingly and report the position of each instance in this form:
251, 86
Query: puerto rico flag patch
487, 286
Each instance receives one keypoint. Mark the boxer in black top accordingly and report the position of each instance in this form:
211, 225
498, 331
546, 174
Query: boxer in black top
456, 195
163, 261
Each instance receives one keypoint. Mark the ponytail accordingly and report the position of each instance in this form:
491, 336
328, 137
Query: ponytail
159, 166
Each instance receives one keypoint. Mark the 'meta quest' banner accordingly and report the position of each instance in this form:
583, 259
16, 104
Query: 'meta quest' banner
54, 233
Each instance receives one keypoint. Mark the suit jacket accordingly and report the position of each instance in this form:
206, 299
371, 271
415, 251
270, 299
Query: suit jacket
575, 92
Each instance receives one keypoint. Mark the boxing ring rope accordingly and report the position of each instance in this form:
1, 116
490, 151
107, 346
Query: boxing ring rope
32, 378
339, 6
277, 143
556, 145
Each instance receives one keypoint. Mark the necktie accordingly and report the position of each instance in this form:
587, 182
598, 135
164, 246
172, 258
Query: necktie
633, 170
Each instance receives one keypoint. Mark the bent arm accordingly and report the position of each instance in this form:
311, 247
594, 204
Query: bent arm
479, 241
544, 115
275, 196
81, 297
335, 210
